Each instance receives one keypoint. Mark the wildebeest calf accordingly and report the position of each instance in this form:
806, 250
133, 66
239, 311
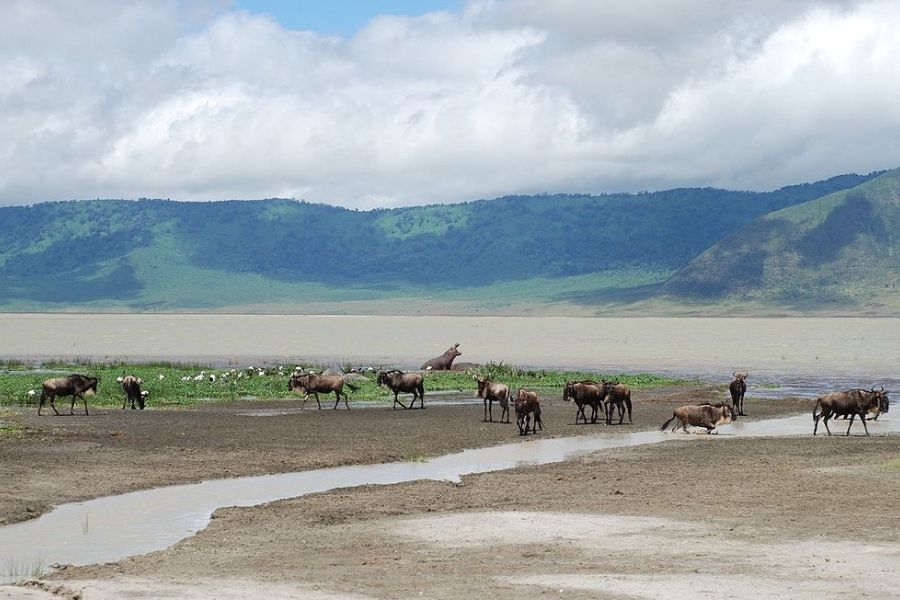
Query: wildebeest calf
709, 416
490, 391
131, 385
398, 381
527, 404
74, 385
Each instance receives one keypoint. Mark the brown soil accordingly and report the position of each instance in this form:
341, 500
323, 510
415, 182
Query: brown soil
69, 458
732, 508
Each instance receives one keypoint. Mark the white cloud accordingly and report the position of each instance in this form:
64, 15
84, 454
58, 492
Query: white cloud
191, 101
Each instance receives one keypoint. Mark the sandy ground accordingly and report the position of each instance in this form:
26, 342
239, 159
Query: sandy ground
694, 517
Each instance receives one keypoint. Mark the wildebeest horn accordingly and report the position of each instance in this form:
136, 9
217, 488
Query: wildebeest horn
734, 374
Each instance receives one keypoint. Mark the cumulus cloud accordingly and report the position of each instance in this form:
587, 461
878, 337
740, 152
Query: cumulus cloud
194, 101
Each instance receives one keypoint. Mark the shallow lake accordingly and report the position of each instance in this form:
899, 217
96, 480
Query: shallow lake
795, 353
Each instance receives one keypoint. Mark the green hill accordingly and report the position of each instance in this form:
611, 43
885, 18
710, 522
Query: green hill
505, 255
840, 251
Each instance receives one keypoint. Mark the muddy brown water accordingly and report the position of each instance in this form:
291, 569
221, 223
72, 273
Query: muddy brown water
785, 356
114, 527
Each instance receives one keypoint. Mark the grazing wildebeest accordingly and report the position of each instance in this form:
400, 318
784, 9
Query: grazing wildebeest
490, 391
443, 362
850, 402
738, 387
131, 385
584, 393
311, 383
617, 395
74, 385
709, 416
527, 404
398, 381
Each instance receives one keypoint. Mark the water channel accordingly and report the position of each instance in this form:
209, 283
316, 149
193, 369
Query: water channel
114, 527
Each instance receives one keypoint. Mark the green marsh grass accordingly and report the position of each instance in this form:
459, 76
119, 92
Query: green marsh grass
163, 381
26, 567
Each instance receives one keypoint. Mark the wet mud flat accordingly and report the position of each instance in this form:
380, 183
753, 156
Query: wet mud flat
695, 517
71, 458
458, 539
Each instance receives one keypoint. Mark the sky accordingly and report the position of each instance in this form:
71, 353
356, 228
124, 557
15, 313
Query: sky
374, 103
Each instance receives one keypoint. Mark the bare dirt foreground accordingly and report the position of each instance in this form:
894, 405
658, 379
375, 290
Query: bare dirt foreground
697, 516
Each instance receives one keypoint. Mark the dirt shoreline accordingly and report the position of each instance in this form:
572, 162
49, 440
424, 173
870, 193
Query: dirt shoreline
72, 458
754, 517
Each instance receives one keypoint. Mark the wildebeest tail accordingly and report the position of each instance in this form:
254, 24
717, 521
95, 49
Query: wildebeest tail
352, 387
666, 424
817, 405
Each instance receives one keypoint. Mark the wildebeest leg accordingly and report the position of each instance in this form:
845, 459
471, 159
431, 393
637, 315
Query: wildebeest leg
504, 404
397, 401
72, 406
862, 416
53, 404
488, 412
580, 411
825, 418
537, 419
84, 399
852, 418
345, 400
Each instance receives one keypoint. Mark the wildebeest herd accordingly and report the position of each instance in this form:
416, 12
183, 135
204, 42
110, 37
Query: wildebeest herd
612, 397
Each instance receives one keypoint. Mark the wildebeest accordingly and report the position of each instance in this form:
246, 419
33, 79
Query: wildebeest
311, 383
583, 393
709, 416
443, 362
617, 395
74, 385
527, 404
131, 385
738, 387
490, 391
850, 402
398, 381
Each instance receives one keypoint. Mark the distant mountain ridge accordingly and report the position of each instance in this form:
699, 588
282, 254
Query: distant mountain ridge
555, 250
842, 250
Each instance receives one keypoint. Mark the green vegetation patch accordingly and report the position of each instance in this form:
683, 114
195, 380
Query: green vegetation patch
404, 223
179, 385
894, 463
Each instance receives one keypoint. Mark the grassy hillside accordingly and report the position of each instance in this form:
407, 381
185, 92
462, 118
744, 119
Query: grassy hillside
842, 250
501, 255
